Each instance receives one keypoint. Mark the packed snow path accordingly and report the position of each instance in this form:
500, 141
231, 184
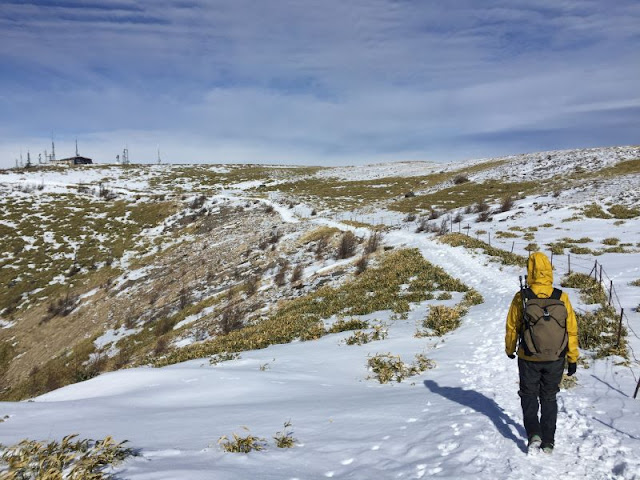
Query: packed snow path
587, 445
460, 420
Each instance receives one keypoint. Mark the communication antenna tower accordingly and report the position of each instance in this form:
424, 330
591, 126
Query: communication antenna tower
53, 150
77, 148
28, 165
159, 159
125, 156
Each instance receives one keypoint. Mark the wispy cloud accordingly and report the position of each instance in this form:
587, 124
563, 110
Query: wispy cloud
332, 82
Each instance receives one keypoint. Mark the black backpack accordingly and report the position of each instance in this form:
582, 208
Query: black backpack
544, 326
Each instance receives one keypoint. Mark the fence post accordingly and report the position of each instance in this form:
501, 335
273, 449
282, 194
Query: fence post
637, 388
569, 258
610, 291
594, 270
620, 327
600, 274
512, 245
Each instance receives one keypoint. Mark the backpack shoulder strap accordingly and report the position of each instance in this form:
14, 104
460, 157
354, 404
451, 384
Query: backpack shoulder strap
528, 294
556, 294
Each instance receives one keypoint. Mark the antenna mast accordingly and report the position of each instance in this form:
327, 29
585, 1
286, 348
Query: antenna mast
159, 159
77, 148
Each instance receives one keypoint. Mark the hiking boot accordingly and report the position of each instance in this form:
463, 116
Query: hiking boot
547, 447
534, 442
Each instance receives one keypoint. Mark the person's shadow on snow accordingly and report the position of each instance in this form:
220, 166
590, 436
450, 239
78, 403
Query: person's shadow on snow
484, 405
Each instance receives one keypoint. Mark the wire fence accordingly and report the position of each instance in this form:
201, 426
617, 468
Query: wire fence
567, 263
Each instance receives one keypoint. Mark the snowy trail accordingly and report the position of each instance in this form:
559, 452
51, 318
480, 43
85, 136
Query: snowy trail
461, 420
585, 448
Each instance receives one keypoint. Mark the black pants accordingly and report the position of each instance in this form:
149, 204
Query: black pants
540, 380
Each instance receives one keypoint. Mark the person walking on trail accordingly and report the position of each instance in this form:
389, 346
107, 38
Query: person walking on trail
543, 326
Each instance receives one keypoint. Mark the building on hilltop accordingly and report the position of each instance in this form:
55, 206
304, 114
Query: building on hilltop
75, 160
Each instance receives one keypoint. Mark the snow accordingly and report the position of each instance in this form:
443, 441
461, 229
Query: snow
6, 323
461, 420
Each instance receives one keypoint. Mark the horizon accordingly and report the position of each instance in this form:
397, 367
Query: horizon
300, 84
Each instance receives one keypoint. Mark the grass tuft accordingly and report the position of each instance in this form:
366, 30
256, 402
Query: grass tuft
70, 458
240, 444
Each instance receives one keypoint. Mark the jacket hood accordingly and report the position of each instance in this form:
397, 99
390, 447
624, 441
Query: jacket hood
539, 269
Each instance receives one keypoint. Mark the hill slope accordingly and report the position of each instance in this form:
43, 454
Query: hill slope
460, 419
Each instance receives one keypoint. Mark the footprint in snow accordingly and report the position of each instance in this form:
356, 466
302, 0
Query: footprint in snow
447, 448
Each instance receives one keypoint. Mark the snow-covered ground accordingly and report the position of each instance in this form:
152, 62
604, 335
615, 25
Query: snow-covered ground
460, 420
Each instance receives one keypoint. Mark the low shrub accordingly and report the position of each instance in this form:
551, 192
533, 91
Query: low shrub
568, 382
506, 258
70, 458
501, 234
460, 179
348, 244
595, 211
361, 337
591, 290
373, 243
507, 204
387, 367
532, 247
7, 352
611, 241
597, 331
484, 216
635, 283
622, 212
470, 298
240, 444
285, 438
296, 275
342, 325
442, 319
362, 264
580, 250
444, 296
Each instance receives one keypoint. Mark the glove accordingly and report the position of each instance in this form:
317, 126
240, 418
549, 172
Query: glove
572, 369
511, 356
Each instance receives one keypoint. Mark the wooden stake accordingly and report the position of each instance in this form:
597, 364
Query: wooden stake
620, 327
610, 292
569, 258
637, 388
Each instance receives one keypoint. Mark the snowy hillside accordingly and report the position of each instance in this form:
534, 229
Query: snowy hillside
172, 256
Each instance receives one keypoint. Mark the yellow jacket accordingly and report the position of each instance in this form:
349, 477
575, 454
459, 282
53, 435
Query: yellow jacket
540, 280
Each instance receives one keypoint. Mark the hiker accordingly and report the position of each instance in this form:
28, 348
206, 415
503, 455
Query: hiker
547, 335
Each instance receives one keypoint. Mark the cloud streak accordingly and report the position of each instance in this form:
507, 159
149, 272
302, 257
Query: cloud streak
303, 82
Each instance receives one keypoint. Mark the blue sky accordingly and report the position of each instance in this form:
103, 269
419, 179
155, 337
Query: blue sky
329, 82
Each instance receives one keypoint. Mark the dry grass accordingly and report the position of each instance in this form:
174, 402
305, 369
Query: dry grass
387, 367
374, 290
504, 257
70, 458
